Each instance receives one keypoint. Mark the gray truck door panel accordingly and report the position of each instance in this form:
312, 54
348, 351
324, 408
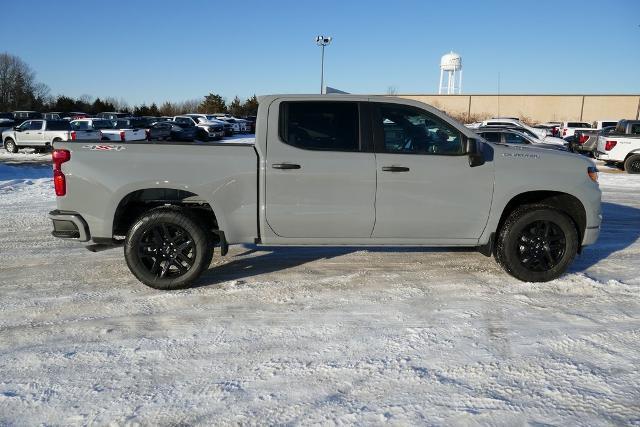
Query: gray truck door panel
317, 182
425, 186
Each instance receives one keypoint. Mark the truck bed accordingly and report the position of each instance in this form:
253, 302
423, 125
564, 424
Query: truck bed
101, 174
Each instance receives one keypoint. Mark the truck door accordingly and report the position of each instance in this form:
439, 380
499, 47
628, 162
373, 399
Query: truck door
22, 132
320, 170
34, 134
426, 188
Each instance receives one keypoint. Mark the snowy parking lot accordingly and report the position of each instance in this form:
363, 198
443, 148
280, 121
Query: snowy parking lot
301, 336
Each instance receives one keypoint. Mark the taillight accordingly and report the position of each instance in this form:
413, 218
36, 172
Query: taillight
73, 135
121, 135
59, 180
583, 138
564, 132
608, 145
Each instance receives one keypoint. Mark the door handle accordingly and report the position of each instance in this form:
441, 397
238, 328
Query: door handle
395, 169
285, 166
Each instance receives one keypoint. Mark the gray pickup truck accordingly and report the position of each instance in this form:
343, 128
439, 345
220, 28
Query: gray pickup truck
328, 170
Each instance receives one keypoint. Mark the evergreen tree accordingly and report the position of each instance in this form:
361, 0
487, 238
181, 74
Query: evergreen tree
250, 106
153, 110
235, 108
213, 103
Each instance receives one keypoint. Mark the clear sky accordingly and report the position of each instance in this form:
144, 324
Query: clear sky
150, 51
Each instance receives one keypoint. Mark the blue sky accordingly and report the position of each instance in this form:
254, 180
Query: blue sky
150, 51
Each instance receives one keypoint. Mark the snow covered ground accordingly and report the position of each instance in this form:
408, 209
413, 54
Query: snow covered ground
302, 336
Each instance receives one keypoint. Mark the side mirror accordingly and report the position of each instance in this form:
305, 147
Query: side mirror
17, 128
473, 149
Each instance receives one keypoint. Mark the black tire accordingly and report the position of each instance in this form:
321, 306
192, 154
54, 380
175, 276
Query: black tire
536, 243
632, 164
10, 145
167, 248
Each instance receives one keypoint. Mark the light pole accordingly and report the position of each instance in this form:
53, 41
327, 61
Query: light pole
322, 41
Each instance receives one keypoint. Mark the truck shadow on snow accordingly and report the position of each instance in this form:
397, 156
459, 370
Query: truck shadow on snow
620, 229
274, 259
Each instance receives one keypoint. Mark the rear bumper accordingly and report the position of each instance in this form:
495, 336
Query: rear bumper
69, 225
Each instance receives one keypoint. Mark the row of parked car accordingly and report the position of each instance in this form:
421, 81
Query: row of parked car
30, 129
616, 142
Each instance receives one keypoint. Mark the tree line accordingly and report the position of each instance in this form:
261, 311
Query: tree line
19, 90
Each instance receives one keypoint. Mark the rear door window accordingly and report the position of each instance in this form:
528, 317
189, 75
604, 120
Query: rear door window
35, 125
320, 125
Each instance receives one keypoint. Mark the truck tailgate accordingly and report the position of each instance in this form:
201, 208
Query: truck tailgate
100, 174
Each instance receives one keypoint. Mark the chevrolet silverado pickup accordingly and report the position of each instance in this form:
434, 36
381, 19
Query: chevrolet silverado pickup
328, 170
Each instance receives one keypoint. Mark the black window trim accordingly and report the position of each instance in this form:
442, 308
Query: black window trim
364, 145
378, 131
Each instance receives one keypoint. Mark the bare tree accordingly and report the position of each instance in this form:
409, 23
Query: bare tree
18, 86
392, 90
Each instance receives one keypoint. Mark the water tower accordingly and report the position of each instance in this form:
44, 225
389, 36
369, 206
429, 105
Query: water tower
451, 63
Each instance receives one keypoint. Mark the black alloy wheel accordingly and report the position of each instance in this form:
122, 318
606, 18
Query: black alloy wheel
632, 164
537, 243
167, 250
540, 246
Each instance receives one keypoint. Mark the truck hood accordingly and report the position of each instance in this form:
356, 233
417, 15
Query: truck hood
542, 155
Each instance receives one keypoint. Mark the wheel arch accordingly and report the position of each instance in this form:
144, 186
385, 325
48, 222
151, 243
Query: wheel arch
564, 202
137, 202
631, 153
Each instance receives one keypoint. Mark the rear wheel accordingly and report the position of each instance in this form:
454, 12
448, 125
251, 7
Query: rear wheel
536, 243
10, 146
632, 164
168, 249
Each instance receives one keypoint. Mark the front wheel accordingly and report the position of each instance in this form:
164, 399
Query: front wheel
167, 249
10, 146
536, 243
632, 164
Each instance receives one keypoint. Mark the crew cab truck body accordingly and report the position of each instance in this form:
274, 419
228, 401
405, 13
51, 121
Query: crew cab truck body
622, 147
38, 134
328, 170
